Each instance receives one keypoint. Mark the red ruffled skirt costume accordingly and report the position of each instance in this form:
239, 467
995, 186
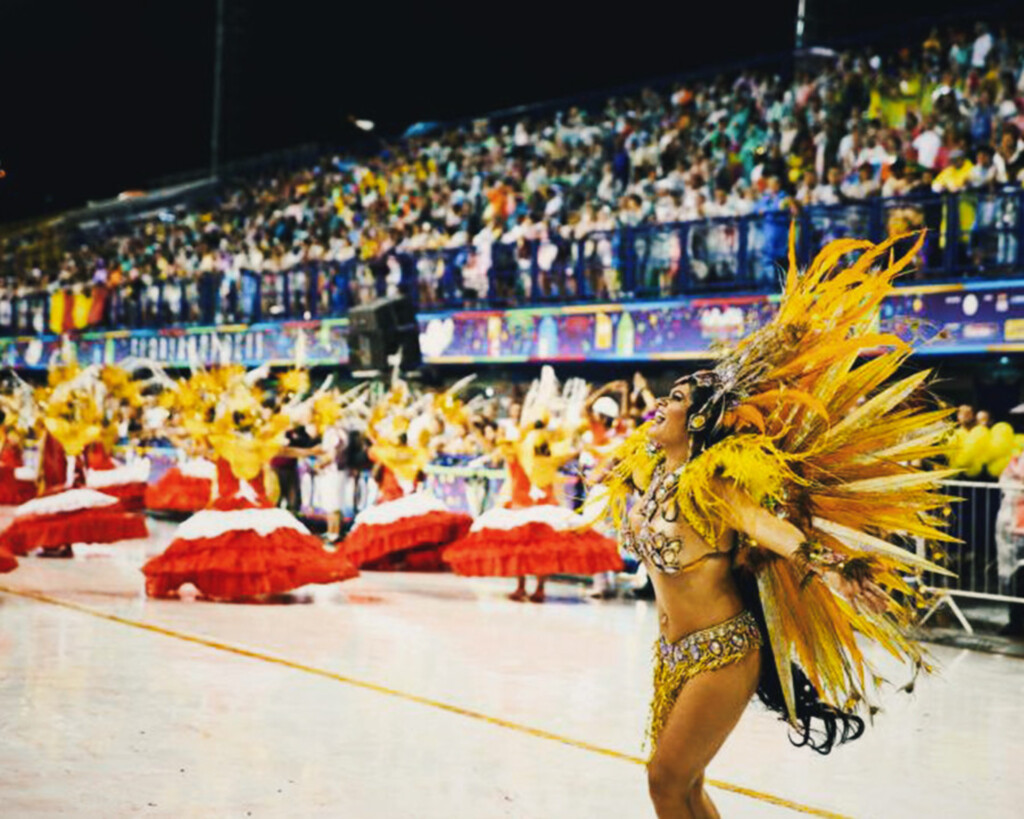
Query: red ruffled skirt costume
242, 547
63, 517
187, 488
126, 483
72, 516
13, 490
8, 562
406, 533
531, 535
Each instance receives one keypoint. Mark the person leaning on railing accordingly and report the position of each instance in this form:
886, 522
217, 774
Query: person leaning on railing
1010, 542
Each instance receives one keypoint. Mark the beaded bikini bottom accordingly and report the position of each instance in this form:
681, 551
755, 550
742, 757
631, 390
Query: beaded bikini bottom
706, 650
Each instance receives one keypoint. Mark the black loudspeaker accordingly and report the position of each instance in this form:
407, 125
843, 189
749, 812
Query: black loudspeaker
378, 329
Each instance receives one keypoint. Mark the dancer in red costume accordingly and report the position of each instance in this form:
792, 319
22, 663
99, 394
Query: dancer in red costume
602, 436
53, 467
67, 512
408, 528
242, 549
14, 490
188, 487
531, 533
126, 482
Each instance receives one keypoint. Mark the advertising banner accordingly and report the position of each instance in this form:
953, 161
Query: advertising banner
937, 319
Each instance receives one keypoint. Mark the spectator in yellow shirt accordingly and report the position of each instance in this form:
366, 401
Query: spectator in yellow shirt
955, 176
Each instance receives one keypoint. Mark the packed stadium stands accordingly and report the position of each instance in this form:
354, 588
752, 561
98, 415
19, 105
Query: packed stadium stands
686, 189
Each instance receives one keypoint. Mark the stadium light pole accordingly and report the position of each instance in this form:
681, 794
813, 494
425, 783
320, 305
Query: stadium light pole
801, 18
218, 69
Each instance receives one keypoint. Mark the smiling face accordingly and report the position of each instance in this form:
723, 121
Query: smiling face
670, 417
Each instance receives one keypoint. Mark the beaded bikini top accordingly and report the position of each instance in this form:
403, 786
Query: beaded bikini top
662, 551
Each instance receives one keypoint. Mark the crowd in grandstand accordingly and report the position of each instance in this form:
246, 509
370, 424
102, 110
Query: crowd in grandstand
945, 116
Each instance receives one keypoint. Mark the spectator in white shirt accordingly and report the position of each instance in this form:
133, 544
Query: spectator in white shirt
719, 205
805, 191
983, 174
666, 209
849, 149
606, 187
896, 184
829, 192
927, 144
982, 46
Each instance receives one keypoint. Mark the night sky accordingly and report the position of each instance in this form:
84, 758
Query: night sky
109, 96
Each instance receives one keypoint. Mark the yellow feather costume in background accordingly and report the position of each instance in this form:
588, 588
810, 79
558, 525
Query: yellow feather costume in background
829, 441
76, 423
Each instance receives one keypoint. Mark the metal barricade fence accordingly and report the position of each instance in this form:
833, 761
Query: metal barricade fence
989, 551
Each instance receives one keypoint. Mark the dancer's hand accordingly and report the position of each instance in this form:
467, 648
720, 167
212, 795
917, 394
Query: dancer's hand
861, 593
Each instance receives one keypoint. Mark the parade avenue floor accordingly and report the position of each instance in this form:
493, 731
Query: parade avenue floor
424, 696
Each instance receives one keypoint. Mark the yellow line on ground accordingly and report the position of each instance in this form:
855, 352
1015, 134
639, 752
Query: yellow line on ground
404, 695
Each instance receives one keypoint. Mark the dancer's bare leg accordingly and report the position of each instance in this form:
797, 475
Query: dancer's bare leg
708, 708
519, 595
333, 526
538, 595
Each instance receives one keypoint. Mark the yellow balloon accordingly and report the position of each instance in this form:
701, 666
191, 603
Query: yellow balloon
974, 452
957, 441
997, 467
1001, 437
1002, 429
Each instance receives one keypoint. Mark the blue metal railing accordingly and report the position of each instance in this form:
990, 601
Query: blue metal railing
970, 235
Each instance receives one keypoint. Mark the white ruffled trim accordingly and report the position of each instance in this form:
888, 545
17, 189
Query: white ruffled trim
411, 506
215, 522
26, 473
557, 517
137, 472
70, 501
199, 468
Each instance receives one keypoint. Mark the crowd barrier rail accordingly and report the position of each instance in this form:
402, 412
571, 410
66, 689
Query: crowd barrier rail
988, 559
970, 235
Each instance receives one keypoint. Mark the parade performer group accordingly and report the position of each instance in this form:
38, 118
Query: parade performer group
769, 490
766, 498
228, 424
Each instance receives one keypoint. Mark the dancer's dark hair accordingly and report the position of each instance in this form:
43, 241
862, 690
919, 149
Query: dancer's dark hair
820, 726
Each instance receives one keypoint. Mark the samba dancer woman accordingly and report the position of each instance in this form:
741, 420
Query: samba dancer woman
767, 487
